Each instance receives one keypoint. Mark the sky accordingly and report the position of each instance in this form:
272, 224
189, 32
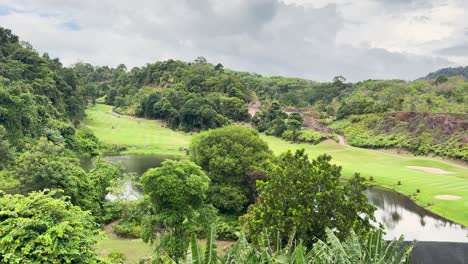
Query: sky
313, 39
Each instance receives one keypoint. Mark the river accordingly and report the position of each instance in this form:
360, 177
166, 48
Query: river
399, 214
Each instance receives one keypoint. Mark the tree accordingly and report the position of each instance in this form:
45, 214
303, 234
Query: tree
7, 151
440, 80
45, 228
87, 141
100, 179
227, 155
46, 166
177, 191
272, 120
219, 67
302, 198
294, 124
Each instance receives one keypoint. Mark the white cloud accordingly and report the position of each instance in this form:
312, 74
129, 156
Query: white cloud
314, 39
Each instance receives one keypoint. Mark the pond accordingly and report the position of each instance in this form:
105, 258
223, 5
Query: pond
137, 164
399, 214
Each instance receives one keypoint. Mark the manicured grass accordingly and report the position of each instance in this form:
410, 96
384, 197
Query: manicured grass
143, 136
386, 168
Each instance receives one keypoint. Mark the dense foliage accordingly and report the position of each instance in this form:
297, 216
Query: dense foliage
199, 96
371, 249
229, 156
188, 96
299, 198
177, 191
45, 228
448, 72
35, 91
441, 134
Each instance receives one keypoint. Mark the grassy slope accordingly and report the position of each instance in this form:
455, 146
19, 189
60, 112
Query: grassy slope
386, 169
144, 136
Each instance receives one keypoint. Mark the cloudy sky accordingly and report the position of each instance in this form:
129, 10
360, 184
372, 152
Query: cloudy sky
315, 39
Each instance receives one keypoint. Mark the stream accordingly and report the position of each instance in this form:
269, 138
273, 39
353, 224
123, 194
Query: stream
399, 214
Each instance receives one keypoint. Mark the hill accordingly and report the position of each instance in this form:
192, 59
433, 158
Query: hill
447, 72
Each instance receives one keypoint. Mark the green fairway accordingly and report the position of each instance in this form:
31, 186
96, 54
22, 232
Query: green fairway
148, 136
142, 135
387, 169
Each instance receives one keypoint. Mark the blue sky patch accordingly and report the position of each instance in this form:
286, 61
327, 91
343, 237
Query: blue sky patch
73, 26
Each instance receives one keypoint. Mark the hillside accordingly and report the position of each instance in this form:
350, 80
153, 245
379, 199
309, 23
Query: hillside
447, 72
421, 133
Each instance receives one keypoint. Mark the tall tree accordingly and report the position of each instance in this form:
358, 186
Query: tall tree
227, 155
177, 191
302, 198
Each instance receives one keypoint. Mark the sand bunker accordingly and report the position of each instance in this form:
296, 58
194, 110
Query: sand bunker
447, 197
430, 169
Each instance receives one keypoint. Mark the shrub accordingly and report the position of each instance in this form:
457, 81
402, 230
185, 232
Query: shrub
116, 257
313, 137
127, 230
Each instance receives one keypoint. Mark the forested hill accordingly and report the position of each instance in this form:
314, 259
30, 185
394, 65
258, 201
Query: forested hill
447, 72
37, 94
39, 97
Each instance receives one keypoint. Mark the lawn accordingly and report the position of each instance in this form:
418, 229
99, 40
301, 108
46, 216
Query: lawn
133, 249
387, 169
148, 136
142, 135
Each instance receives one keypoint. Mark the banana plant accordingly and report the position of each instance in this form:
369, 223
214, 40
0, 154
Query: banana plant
194, 255
370, 250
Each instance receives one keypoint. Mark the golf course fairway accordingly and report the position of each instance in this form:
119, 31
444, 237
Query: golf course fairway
424, 179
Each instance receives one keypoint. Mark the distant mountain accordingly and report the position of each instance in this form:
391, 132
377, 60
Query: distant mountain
447, 72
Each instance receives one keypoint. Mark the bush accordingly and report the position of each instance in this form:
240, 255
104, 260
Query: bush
87, 141
313, 137
127, 229
116, 258
227, 227
112, 211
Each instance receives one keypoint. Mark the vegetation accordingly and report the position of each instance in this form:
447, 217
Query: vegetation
127, 135
43, 132
229, 156
45, 228
189, 96
422, 134
37, 94
372, 249
299, 196
447, 72
386, 172
177, 191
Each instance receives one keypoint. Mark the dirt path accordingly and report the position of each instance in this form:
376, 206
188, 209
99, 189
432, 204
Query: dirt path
341, 140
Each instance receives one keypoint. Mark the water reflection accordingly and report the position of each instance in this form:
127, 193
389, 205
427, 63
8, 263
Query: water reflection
401, 216
137, 164
397, 212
